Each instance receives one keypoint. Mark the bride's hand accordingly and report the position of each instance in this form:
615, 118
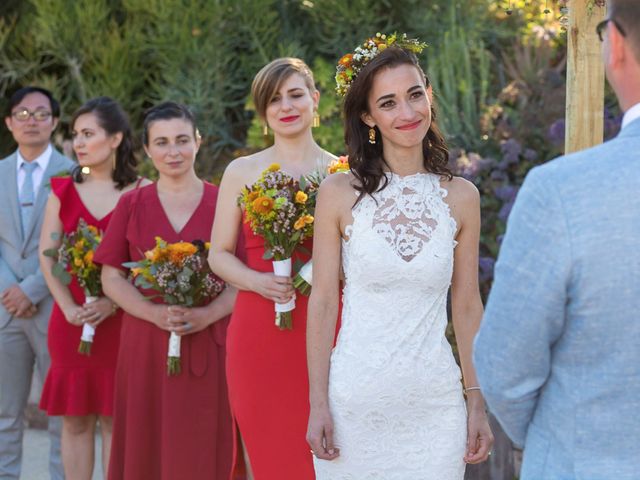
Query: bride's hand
274, 287
320, 434
479, 435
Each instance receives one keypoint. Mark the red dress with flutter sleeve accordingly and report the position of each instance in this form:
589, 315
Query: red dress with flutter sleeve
166, 427
78, 384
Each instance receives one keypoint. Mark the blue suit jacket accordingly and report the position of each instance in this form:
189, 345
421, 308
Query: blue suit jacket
19, 260
558, 351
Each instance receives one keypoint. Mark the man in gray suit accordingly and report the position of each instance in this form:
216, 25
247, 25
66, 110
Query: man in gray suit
25, 300
558, 352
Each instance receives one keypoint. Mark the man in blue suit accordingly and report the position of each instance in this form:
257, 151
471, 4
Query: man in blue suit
25, 301
558, 351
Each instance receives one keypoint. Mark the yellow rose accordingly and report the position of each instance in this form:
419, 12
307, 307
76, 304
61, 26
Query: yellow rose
303, 221
78, 262
88, 257
301, 197
274, 167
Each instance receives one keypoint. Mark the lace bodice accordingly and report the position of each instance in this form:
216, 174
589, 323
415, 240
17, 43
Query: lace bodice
394, 387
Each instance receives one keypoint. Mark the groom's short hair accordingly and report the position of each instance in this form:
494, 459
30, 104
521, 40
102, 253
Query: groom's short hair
627, 14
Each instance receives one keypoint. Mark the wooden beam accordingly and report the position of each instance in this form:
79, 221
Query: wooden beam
585, 77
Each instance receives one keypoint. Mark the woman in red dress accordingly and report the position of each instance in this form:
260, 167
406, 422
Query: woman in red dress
266, 367
167, 427
80, 387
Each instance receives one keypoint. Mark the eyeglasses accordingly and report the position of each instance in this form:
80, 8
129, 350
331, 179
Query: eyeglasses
24, 114
603, 24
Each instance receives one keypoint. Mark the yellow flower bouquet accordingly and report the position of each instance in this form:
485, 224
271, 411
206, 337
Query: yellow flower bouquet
180, 273
302, 280
277, 207
75, 258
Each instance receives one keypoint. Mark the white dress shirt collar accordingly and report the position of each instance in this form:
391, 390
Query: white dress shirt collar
630, 115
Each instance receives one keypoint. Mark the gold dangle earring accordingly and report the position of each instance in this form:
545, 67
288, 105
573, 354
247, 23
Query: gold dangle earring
316, 120
265, 130
372, 136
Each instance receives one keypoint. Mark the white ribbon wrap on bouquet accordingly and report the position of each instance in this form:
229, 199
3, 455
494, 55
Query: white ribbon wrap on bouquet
87, 330
306, 272
283, 269
174, 345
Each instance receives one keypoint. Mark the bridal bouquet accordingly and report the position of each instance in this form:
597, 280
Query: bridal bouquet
302, 281
180, 273
278, 209
74, 257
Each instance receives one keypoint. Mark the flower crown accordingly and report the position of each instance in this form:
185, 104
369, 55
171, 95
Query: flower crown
350, 65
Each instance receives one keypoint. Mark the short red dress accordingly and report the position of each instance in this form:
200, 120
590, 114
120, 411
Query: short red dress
79, 384
267, 376
166, 427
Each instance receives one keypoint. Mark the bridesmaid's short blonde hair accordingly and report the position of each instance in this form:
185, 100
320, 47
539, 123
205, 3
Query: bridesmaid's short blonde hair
270, 78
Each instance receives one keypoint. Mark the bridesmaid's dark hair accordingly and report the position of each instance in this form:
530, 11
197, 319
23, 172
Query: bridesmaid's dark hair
167, 111
112, 118
365, 159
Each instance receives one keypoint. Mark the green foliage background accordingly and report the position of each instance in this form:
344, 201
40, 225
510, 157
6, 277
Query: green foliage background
205, 53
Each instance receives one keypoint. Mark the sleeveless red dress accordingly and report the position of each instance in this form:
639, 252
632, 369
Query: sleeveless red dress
79, 384
267, 377
166, 427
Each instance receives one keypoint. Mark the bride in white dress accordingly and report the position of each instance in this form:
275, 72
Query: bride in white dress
387, 402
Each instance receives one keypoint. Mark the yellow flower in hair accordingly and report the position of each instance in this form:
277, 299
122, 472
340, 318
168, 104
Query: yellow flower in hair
301, 197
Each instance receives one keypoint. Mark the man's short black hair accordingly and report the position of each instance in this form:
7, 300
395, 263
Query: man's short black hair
18, 95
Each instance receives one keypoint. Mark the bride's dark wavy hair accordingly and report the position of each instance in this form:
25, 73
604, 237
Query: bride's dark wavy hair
365, 159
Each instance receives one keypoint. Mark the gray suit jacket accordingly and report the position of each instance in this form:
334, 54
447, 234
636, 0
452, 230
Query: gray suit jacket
558, 351
19, 262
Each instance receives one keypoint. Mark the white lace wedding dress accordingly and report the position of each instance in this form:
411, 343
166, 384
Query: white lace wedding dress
394, 387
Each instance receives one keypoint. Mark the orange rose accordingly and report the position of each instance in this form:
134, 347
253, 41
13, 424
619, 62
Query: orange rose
263, 205
253, 195
345, 61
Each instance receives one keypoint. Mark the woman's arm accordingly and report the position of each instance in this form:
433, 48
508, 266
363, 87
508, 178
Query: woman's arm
224, 237
322, 312
466, 309
51, 238
117, 287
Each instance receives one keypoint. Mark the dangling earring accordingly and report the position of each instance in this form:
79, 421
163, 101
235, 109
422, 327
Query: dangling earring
85, 170
113, 161
265, 130
372, 136
316, 120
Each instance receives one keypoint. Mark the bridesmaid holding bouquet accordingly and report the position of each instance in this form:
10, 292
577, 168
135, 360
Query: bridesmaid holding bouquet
266, 366
79, 386
167, 427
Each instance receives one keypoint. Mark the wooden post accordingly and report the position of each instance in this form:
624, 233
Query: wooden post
585, 77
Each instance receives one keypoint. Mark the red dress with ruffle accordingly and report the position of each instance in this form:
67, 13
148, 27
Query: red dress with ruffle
79, 384
166, 427
267, 377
